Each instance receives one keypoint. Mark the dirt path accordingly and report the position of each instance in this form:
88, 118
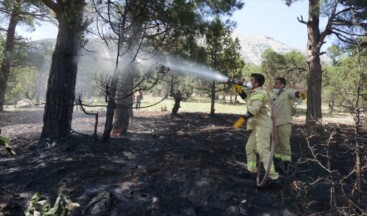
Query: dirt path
182, 166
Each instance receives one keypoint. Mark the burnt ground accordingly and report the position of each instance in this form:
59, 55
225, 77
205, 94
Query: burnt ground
182, 166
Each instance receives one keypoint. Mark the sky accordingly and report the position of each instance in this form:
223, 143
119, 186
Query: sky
258, 17
275, 19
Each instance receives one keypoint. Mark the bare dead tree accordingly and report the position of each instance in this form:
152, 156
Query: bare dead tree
131, 26
124, 92
136, 29
358, 110
80, 103
341, 199
77, 103
356, 106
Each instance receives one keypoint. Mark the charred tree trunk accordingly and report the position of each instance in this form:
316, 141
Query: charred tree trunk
212, 110
60, 93
314, 80
177, 98
358, 113
124, 103
111, 105
176, 107
9, 46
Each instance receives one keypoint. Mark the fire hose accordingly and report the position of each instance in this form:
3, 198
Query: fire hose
272, 146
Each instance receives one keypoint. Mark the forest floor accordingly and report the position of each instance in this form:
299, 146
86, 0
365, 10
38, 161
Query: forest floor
190, 166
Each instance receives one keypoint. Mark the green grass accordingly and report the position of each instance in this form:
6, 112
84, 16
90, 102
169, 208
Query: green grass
202, 104
188, 106
204, 107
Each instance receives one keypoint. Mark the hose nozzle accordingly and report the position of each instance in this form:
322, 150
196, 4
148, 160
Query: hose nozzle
235, 81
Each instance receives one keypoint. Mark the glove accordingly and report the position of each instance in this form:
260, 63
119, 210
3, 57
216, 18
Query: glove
303, 95
239, 122
242, 120
238, 89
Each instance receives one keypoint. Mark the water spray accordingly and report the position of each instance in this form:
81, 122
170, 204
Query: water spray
179, 65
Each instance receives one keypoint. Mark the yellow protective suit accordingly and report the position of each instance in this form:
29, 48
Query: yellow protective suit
260, 123
283, 102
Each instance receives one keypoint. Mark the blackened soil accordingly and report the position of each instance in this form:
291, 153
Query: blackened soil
194, 165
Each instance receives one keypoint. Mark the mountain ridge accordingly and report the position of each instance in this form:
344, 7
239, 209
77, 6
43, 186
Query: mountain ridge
252, 47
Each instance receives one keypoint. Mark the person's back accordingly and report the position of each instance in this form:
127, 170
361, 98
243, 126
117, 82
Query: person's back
257, 102
139, 97
283, 102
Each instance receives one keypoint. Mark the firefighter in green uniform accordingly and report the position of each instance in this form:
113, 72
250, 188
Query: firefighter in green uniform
258, 120
283, 101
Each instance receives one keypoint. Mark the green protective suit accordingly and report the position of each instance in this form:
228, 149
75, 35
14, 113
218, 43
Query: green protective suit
261, 125
283, 102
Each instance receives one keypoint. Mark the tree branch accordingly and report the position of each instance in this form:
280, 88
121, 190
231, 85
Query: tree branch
327, 30
301, 20
52, 5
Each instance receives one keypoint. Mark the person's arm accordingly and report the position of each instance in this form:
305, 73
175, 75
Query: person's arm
255, 104
240, 91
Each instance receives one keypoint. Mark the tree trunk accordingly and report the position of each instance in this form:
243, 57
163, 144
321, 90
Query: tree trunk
124, 102
9, 46
111, 105
177, 96
358, 119
314, 81
212, 110
176, 107
121, 123
60, 93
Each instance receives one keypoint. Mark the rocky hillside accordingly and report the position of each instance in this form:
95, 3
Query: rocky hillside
254, 46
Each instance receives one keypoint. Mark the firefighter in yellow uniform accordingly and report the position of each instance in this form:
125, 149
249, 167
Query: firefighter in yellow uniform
259, 121
283, 101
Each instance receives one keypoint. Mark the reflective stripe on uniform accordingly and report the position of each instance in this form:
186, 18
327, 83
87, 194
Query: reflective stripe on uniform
251, 166
283, 157
260, 97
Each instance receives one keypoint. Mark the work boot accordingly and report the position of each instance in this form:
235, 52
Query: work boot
278, 164
286, 167
282, 167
